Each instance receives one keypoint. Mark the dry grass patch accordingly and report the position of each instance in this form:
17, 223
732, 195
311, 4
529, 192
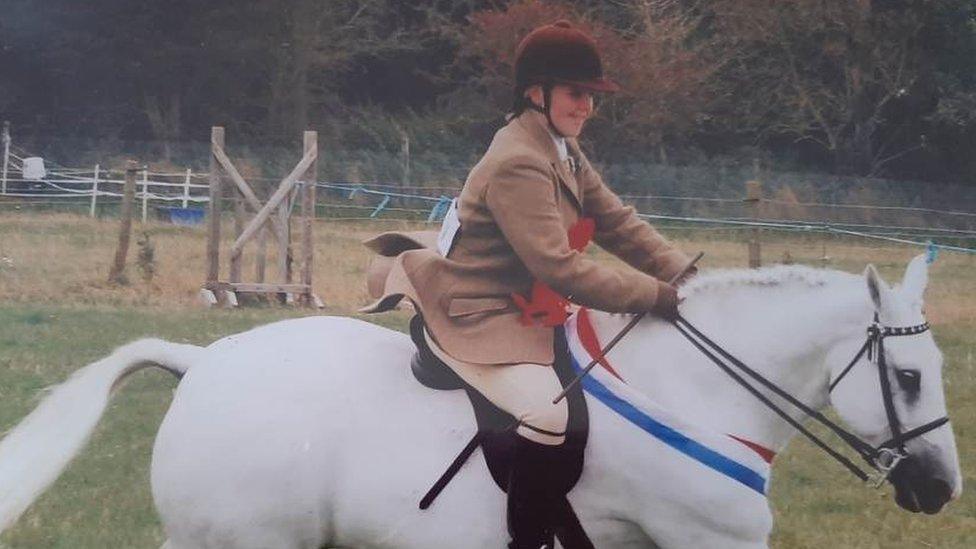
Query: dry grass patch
64, 258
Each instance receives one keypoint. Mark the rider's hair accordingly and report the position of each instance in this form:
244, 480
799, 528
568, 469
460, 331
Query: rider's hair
522, 102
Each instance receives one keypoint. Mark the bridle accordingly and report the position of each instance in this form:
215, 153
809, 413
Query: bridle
884, 457
890, 452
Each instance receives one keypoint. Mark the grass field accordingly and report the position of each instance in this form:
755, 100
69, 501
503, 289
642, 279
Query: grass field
57, 314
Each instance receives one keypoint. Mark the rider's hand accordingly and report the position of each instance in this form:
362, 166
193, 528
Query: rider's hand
666, 305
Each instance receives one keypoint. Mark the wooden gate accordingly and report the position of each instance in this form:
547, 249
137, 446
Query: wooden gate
270, 220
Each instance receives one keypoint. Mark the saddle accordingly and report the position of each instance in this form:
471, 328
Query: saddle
496, 430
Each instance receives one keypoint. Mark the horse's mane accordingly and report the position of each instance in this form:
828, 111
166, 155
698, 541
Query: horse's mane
773, 276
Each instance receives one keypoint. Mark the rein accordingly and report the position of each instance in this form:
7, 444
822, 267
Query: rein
882, 458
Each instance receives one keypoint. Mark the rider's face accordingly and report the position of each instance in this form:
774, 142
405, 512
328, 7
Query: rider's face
570, 107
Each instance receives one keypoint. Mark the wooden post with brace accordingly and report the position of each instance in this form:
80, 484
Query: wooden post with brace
271, 216
308, 218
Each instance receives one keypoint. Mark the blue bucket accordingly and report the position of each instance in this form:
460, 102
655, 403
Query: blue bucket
186, 217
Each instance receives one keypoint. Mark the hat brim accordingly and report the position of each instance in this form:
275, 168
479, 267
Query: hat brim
603, 85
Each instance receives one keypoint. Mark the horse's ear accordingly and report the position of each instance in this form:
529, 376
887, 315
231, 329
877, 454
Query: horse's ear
877, 288
916, 278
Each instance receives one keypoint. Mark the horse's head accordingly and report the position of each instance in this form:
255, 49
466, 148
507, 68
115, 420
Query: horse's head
929, 475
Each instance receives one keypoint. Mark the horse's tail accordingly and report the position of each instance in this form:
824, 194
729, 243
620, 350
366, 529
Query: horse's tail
33, 454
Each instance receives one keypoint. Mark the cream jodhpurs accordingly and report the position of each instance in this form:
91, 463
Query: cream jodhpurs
523, 390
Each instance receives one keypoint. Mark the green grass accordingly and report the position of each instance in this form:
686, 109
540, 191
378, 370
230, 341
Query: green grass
103, 498
56, 315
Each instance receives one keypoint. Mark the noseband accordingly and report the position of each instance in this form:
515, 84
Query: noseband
882, 458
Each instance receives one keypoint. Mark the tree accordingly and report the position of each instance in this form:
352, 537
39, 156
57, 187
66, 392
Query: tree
322, 43
858, 86
660, 60
849, 76
950, 40
653, 56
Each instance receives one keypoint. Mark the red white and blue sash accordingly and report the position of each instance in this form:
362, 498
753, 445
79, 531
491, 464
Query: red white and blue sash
738, 459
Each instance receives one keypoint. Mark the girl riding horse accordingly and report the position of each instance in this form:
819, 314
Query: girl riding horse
523, 216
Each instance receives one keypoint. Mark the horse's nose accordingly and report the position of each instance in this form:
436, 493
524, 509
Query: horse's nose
932, 495
917, 489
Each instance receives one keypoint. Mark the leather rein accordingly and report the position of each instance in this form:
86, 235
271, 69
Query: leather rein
883, 458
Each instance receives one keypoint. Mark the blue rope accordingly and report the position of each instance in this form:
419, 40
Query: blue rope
359, 189
931, 252
441, 203
376, 212
439, 210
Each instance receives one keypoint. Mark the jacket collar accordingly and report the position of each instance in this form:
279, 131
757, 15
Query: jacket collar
536, 126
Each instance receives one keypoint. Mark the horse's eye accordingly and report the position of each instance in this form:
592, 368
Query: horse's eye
910, 380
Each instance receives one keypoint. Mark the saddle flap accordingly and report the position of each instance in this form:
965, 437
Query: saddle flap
429, 370
497, 438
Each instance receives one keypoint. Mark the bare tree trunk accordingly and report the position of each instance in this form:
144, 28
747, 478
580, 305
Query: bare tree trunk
290, 103
279, 93
860, 146
164, 121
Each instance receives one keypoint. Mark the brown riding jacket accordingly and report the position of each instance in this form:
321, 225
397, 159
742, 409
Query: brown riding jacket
515, 210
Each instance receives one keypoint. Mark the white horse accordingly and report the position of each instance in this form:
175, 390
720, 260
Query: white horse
312, 433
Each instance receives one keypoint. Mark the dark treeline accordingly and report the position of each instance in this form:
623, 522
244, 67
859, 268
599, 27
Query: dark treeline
860, 87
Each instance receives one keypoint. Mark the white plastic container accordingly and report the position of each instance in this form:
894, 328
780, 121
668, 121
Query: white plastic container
34, 168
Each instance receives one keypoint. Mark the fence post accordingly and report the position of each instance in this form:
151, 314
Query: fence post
237, 199
753, 200
145, 193
284, 236
213, 208
115, 275
262, 252
6, 155
94, 191
186, 189
308, 213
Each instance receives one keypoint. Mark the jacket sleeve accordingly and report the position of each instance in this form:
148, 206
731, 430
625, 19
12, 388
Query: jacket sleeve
522, 199
622, 233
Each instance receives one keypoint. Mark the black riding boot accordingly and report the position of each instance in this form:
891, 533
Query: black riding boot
531, 496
